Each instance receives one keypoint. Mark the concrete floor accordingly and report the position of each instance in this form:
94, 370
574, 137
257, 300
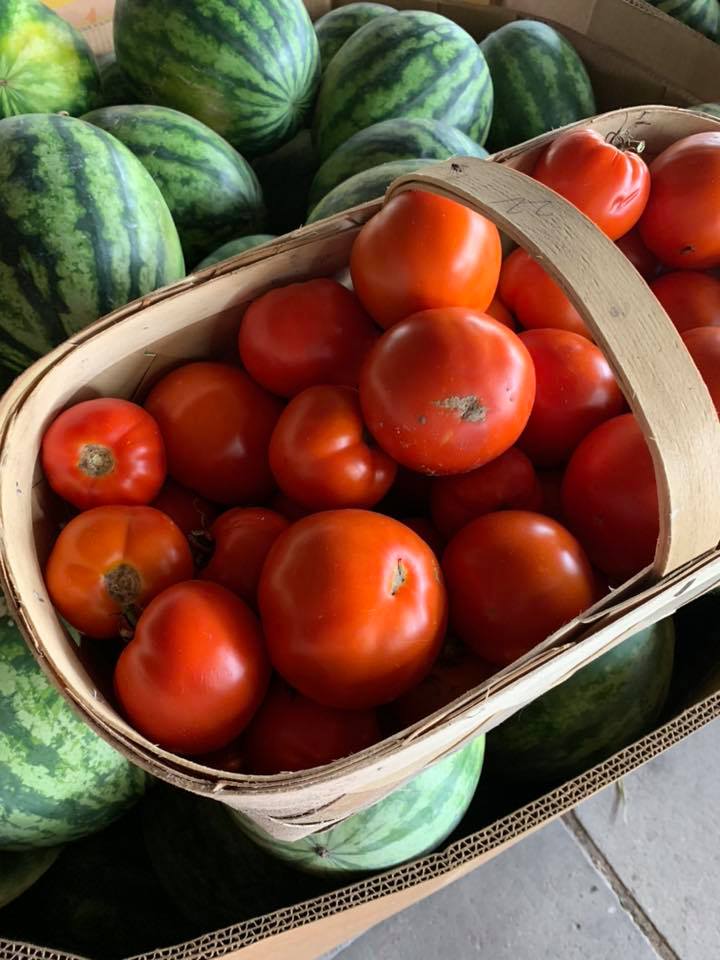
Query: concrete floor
632, 874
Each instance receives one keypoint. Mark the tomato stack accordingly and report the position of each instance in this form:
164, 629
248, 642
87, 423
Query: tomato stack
390, 493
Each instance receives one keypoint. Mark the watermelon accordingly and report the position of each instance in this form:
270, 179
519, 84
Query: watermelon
233, 248
368, 185
411, 822
211, 191
709, 109
83, 230
334, 27
540, 82
115, 87
410, 64
700, 15
399, 139
247, 68
285, 176
19, 871
59, 780
600, 709
45, 64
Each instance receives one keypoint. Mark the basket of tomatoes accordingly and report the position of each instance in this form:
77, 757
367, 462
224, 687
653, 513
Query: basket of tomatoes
291, 530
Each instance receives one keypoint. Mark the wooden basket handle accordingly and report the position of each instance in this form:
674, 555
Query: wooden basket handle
655, 371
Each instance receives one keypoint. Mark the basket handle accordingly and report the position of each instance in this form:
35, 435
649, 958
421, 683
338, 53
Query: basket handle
655, 371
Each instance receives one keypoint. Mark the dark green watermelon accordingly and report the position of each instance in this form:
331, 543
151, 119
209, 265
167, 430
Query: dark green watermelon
409, 64
539, 81
700, 15
19, 871
211, 191
285, 176
115, 86
603, 707
334, 27
368, 185
247, 68
233, 248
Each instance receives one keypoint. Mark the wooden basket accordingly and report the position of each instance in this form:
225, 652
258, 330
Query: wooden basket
125, 353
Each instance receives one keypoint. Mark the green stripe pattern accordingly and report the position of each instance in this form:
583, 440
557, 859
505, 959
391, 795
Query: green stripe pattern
540, 82
83, 230
19, 871
708, 109
413, 821
58, 780
249, 69
234, 248
336, 26
210, 189
397, 139
411, 64
700, 15
45, 64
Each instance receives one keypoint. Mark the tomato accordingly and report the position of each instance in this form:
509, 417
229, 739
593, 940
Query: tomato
535, 298
704, 347
427, 532
632, 246
514, 578
103, 452
551, 487
610, 500
291, 733
423, 251
320, 456
288, 508
243, 537
192, 513
691, 299
576, 390
498, 311
681, 223
196, 670
506, 483
216, 424
305, 334
109, 562
446, 391
353, 607
610, 185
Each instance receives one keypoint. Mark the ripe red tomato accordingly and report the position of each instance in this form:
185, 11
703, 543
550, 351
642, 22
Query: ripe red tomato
305, 334
704, 347
681, 223
353, 607
243, 537
535, 298
691, 299
507, 483
216, 424
423, 251
288, 508
196, 670
426, 531
610, 498
513, 579
551, 486
646, 263
290, 732
103, 452
320, 455
576, 390
446, 391
609, 185
498, 311
189, 511
109, 562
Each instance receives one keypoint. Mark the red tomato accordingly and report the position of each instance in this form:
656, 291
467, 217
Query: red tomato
196, 670
576, 390
689, 298
216, 424
535, 298
513, 579
243, 537
609, 185
109, 562
320, 455
610, 499
551, 486
426, 531
681, 223
103, 452
506, 483
290, 732
353, 608
704, 347
423, 251
498, 311
288, 508
189, 511
646, 264
446, 391
305, 334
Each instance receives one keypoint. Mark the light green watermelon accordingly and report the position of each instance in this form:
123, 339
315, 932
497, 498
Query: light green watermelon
233, 248
19, 871
708, 109
336, 26
700, 15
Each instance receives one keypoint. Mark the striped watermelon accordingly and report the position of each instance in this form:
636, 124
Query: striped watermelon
45, 64
709, 109
700, 15
19, 871
233, 248
285, 176
247, 68
540, 82
410, 64
334, 28
115, 87
59, 781
211, 191
83, 230
410, 822
368, 185
399, 139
